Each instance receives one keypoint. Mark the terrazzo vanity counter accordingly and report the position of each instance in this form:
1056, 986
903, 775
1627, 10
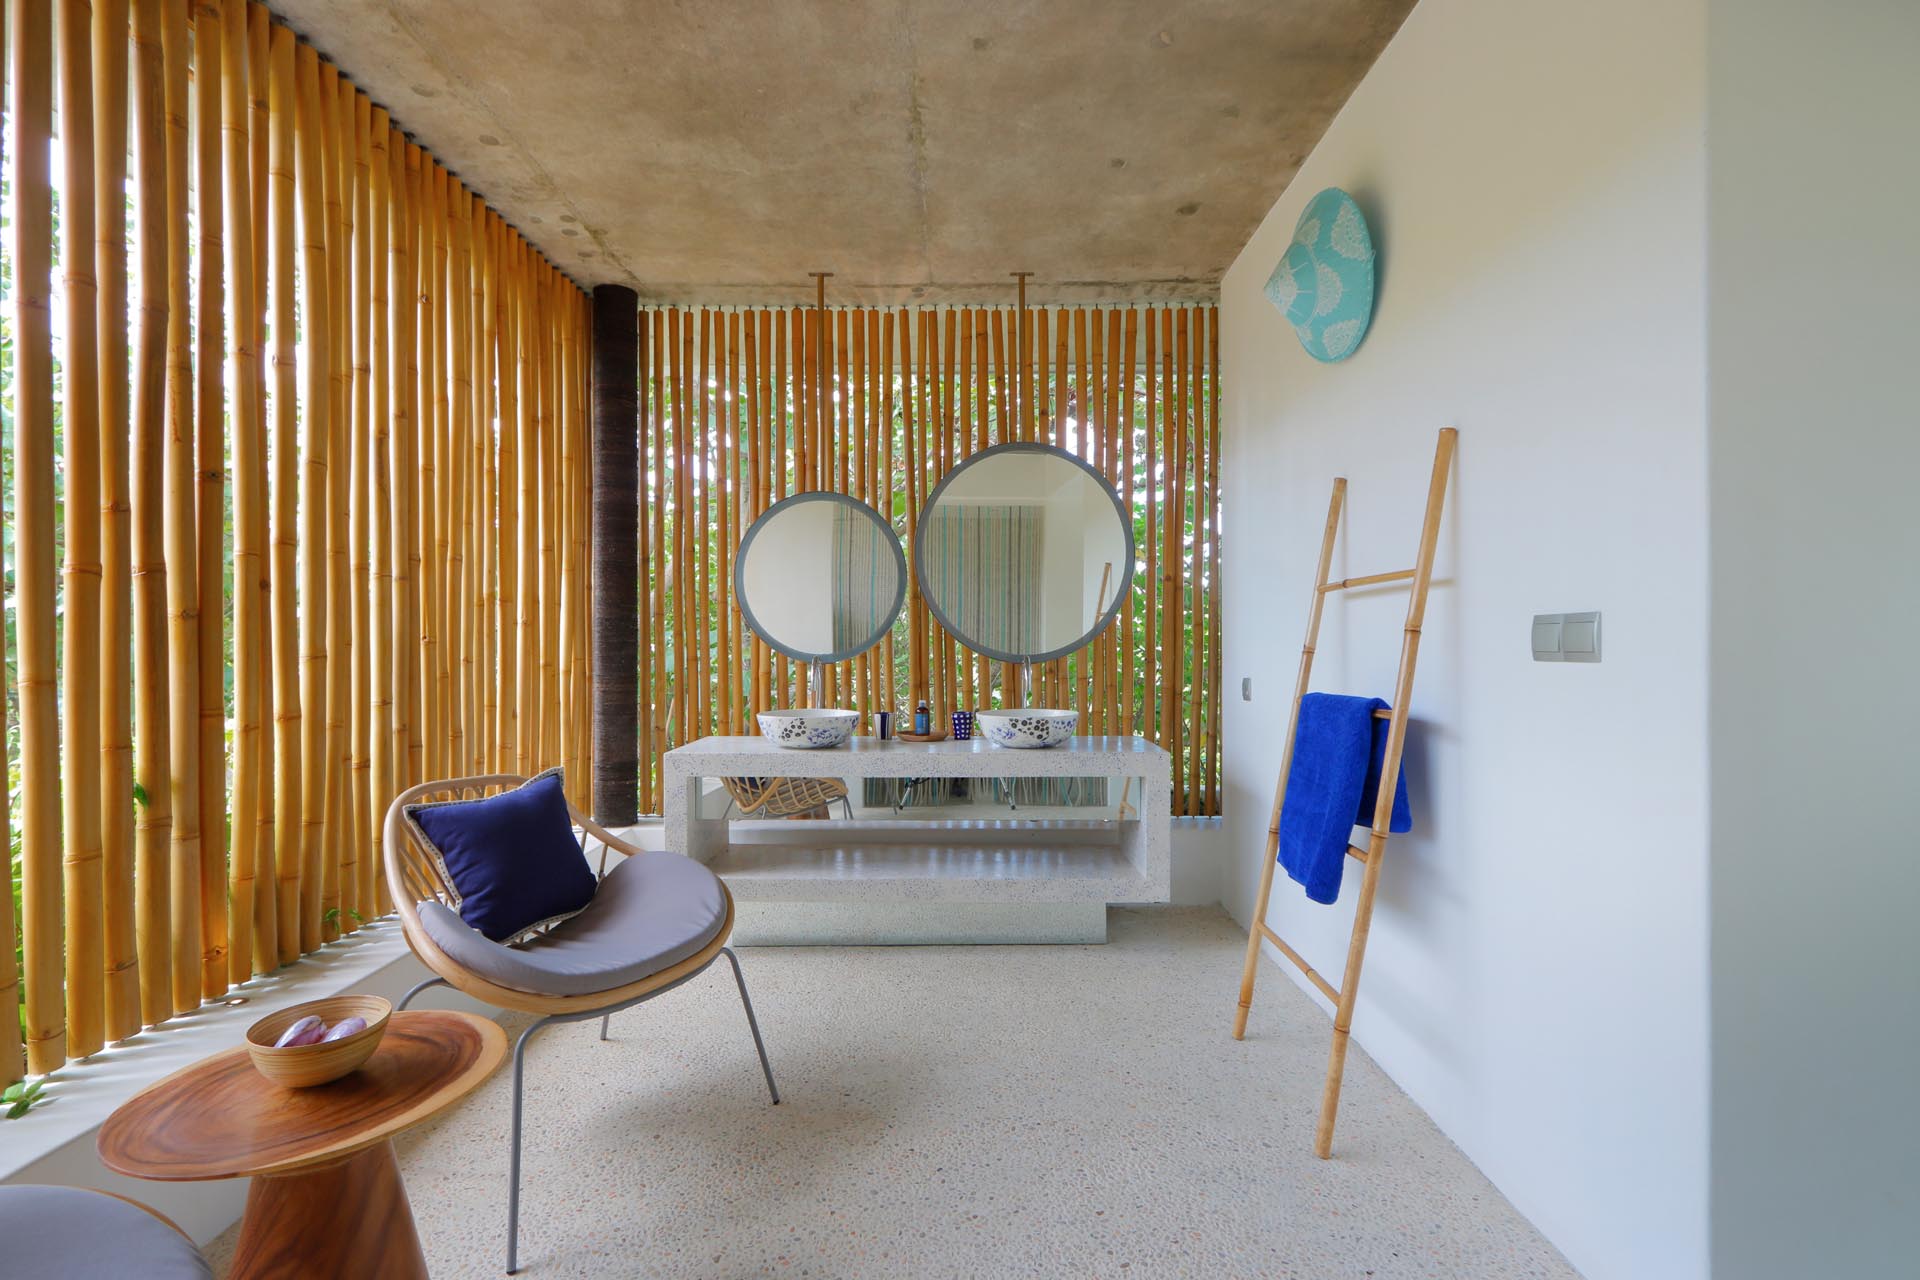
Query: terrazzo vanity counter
995, 870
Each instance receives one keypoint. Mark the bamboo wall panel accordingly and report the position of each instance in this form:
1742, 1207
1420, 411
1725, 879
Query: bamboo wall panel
740, 408
294, 511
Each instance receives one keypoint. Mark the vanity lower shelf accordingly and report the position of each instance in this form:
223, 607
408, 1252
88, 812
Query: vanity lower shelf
974, 862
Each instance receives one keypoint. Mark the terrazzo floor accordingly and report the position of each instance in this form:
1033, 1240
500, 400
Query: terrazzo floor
963, 1112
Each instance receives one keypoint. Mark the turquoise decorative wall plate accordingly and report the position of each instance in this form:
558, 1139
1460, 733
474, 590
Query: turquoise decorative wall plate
1324, 282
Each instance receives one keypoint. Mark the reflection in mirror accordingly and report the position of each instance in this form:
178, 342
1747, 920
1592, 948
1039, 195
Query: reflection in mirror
1024, 553
820, 577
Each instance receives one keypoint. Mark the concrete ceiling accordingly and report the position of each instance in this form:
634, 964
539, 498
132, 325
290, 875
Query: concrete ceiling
718, 150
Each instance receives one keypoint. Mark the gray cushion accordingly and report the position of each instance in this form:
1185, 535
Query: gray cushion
83, 1235
651, 912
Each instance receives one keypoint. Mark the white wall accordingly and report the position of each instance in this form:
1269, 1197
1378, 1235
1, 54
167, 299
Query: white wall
1534, 174
1814, 273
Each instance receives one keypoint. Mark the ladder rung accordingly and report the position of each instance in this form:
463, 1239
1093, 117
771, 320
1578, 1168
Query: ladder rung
1355, 851
1326, 988
1372, 579
1384, 713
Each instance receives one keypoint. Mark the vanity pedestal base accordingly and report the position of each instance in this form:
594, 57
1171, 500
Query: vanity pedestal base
889, 924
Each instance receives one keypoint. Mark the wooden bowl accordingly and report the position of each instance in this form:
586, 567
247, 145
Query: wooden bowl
304, 1066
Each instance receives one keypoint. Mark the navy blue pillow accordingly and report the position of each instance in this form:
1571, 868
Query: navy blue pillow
512, 857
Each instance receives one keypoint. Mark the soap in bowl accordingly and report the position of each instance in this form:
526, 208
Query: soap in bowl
306, 1065
1026, 727
808, 727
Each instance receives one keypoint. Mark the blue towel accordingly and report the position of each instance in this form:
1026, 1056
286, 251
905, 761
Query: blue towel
1332, 788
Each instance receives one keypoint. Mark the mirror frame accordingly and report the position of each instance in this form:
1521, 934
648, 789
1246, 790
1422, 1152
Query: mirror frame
753, 531
1119, 509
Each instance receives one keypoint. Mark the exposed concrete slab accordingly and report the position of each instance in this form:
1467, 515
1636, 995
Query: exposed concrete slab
719, 150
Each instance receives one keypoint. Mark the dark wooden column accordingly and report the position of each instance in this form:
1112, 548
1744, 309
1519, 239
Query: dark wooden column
616, 556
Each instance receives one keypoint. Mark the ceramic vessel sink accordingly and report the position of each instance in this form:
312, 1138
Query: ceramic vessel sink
1026, 726
808, 726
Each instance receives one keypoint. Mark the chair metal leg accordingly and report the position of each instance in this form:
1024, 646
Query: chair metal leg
603, 1026
418, 987
753, 1024
513, 1174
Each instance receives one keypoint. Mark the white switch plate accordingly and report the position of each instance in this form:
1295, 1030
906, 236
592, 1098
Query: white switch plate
1566, 637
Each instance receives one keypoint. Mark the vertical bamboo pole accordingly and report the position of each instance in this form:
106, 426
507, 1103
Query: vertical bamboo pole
340, 863
409, 480
751, 660
244, 956
1151, 551
550, 493
383, 768
1118, 453
659, 381
182, 544
481, 335
259, 57
703, 527
727, 329
1214, 579
507, 600
910, 457
1129, 715
463, 585
439, 566
881, 337
315, 438
644, 411
259, 40
31, 108
855, 448
431, 406
546, 433
12, 1058
529, 455
80, 668
120, 956
782, 426
1170, 441
151, 762
210, 436
1196, 745
287, 774
362, 799
1086, 363
565, 537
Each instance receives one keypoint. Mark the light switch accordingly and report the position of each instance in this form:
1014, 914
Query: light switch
1246, 688
1566, 637
1546, 637
1580, 637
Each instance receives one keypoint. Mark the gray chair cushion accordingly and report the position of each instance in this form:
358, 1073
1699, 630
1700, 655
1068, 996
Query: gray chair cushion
651, 912
83, 1235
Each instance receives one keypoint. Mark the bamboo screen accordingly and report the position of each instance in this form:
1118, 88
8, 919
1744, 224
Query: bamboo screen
739, 408
304, 420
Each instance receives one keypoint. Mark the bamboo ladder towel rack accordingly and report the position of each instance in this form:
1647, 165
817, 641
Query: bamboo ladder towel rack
1419, 578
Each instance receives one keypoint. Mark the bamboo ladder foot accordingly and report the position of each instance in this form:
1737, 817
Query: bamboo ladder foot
1344, 996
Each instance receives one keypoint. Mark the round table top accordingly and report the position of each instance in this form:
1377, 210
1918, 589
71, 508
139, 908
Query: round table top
219, 1118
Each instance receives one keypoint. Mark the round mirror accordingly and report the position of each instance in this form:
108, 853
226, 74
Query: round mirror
820, 577
1024, 552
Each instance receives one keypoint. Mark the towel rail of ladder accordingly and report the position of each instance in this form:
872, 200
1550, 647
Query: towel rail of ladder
1419, 579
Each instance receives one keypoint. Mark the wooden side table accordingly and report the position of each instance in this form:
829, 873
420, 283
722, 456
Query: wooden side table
326, 1199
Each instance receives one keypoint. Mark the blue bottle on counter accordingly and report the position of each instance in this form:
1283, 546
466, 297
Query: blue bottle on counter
922, 719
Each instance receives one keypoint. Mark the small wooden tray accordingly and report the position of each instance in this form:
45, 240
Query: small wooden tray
938, 735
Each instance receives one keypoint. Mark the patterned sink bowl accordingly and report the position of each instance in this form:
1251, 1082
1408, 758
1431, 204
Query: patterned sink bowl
809, 727
1026, 727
